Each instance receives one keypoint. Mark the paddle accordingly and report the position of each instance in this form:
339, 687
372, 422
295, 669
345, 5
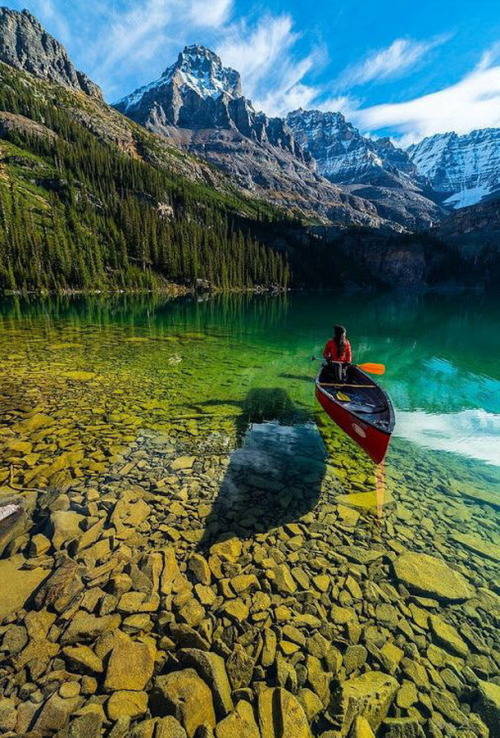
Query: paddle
369, 367
372, 368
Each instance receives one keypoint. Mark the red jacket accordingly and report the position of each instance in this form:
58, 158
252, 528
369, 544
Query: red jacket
331, 354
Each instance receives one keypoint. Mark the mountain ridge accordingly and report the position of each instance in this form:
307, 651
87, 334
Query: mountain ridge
462, 169
199, 104
26, 45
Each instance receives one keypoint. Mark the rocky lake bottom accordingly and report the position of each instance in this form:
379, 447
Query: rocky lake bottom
227, 564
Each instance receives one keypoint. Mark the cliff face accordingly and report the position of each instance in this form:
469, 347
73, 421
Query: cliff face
463, 169
198, 104
375, 170
24, 44
476, 219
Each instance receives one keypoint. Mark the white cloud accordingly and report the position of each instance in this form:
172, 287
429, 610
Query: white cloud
345, 104
389, 63
150, 31
472, 433
473, 102
210, 14
265, 56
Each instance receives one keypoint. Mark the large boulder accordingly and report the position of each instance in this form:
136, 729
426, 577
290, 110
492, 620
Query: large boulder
185, 695
489, 704
126, 703
65, 527
447, 636
281, 715
427, 575
212, 670
130, 664
369, 695
17, 584
55, 713
238, 724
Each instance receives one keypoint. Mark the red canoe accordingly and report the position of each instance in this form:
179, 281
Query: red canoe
367, 416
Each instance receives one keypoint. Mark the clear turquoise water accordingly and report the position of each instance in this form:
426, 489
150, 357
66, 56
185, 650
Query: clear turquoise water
219, 364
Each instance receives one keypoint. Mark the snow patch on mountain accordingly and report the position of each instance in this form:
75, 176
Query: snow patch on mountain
464, 198
465, 169
197, 69
342, 154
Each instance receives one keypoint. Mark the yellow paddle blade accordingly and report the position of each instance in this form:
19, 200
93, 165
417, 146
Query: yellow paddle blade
372, 368
343, 397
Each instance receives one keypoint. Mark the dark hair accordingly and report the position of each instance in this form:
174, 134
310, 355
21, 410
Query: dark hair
340, 338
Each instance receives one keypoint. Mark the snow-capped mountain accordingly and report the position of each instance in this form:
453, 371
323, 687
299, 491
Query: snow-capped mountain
371, 168
198, 93
463, 169
197, 69
298, 161
343, 155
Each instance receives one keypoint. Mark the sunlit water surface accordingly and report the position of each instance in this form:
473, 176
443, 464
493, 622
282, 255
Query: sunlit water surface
236, 371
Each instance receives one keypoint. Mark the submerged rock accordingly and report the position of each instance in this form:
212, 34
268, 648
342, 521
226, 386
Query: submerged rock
429, 576
281, 715
14, 522
476, 545
187, 696
361, 729
489, 704
447, 636
239, 724
130, 665
402, 728
369, 695
124, 704
17, 584
212, 669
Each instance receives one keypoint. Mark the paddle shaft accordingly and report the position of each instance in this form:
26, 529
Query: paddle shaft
369, 367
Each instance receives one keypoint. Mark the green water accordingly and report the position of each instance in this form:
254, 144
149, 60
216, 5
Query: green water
212, 367
202, 413
232, 375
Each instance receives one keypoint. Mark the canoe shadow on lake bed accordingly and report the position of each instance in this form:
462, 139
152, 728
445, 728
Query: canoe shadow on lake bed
276, 474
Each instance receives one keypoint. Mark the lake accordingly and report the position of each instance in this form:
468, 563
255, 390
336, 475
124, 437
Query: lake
191, 425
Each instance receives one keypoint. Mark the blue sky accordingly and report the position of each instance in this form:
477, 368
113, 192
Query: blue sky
406, 69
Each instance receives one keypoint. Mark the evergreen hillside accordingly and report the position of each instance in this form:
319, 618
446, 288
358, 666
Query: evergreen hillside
90, 200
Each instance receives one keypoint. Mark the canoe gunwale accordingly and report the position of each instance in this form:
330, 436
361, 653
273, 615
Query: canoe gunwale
376, 442
372, 383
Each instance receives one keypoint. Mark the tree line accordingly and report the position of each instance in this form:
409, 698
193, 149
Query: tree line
78, 213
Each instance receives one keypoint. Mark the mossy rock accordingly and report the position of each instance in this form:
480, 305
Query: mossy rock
77, 376
60, 346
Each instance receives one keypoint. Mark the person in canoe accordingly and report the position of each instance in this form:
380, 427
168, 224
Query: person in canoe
338, 353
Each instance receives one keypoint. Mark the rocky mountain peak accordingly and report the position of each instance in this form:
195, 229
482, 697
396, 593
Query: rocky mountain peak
201, 70
26, 45
464, 169
343, 155
198, 94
